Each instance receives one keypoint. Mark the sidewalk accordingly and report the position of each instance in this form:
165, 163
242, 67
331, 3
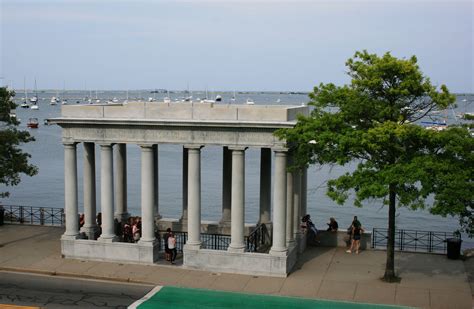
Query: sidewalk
428, 281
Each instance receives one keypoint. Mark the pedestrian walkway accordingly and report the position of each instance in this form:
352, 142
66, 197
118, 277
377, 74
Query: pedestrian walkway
428, 281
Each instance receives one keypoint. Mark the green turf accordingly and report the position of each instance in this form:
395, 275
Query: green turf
173, 297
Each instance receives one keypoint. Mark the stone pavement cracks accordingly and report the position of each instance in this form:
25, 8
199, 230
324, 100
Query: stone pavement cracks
428, 281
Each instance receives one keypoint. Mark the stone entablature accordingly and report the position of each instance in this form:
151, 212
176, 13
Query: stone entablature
186, 111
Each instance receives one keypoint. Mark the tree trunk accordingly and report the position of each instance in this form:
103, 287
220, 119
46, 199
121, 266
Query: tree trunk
389, 275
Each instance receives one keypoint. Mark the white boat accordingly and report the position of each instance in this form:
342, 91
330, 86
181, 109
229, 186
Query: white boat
250, 102
115, 100
54, 101
150, 99
34, 107
278, 100
34, 99
218, 98
64, 102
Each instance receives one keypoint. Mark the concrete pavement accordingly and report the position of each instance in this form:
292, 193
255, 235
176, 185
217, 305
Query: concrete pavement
428, 281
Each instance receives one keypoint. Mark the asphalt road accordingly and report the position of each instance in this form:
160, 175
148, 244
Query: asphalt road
61, 292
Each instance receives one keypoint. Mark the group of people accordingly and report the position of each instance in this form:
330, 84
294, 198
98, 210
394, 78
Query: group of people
354, 231
131, 231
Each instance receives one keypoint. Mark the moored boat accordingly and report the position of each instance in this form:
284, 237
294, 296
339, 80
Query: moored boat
32, 123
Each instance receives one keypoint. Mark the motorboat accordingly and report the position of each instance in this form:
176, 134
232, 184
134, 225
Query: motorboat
24, 105
166, 100
34, 107
54, 101
34, 99
115, 100
32, 123
150, 99
218, 98
250, 102
64, 102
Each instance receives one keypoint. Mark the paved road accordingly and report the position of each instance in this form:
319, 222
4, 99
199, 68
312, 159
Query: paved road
61, 292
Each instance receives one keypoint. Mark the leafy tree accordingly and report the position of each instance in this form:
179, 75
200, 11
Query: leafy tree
371, 121
13, 161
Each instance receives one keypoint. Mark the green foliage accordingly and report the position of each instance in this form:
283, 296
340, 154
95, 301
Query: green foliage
13, 161
372, 121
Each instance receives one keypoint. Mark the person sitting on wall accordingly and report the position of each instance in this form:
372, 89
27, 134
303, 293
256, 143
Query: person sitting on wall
332, 225
308, 225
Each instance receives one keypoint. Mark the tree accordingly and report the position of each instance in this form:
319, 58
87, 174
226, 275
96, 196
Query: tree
372, 121
13, 161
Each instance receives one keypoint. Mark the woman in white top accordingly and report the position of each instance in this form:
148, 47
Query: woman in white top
172, 247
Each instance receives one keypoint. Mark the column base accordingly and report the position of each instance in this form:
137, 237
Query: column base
279, 251
148, 243
108, 239
191, 246
70, 237
239, 248
90, 231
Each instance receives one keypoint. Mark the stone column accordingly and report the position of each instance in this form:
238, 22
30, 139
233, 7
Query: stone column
121, 212
184, 216
238, 200
156, 191
194, 198
304, 191
279, 205
226, 185
70, 192
297, 204
147, 194
107, 193
90, 227
265, 185
290, 241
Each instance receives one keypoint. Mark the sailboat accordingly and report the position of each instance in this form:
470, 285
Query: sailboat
233, 97
25, 102
96, 98
34, 99
54, 99
250, 102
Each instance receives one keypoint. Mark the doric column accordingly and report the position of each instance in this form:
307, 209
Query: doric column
304, 191
107, 193
265, 185
194, 198
226, 185
147, 194
121, 212
184, 216
279, 204
156, 191
297, 204
90, 226
238, 200
290, 241
70, 192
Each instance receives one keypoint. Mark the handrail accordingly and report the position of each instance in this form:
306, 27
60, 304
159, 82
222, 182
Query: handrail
33, 215
413, 240
258, 238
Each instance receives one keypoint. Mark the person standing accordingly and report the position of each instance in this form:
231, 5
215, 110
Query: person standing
172, 247
167, 249
356, 233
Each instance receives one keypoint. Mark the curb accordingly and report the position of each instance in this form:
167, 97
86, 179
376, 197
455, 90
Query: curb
70, 275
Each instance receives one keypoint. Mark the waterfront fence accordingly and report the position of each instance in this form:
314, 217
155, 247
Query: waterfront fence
33, 215
413, 240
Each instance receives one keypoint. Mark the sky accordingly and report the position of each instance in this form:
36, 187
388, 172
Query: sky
227, 45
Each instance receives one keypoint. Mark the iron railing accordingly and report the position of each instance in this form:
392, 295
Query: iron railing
33, 215
181, 238
413, 240
258, 239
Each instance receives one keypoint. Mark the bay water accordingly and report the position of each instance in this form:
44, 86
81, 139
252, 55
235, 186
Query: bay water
47, 188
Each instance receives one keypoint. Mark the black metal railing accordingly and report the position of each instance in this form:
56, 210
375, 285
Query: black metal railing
413, 240
181, 238
33, 215
258, 239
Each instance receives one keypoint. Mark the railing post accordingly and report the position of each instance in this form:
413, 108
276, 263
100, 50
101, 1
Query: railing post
41, 216
430, 242
402, 234
21, 219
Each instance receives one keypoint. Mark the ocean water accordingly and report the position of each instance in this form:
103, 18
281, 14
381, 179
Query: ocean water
47, 188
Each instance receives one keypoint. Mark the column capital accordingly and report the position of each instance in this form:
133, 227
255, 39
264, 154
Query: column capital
146, 147
193, 146
237, 148
70, 144
279, 150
